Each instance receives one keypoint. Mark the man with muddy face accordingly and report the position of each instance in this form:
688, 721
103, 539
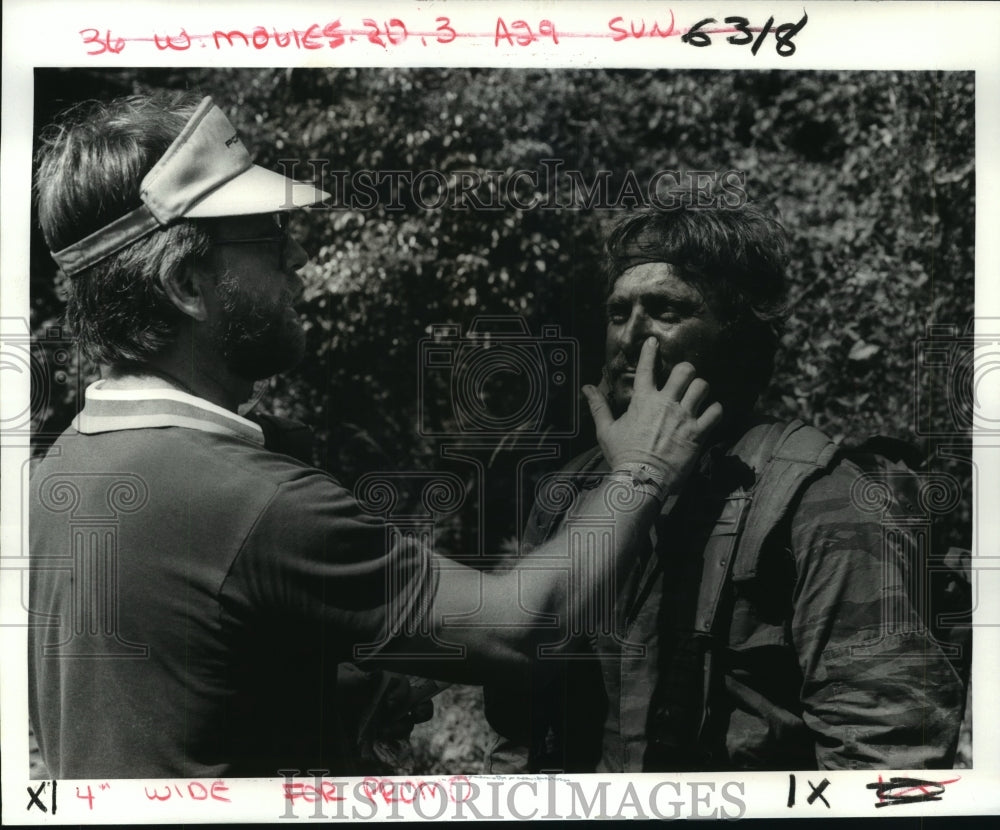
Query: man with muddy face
733, 637
650, 300
709, 286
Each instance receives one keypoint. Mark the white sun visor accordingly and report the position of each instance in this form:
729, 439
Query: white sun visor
205, 172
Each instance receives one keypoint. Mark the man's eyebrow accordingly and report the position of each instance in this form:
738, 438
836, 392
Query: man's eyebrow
653, 297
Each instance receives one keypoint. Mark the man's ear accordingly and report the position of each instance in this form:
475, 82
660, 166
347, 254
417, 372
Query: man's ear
187, 288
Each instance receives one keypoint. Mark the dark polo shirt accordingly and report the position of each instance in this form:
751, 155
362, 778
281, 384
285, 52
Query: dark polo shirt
192, 594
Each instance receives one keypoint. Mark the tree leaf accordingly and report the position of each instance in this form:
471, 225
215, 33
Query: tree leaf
862, 351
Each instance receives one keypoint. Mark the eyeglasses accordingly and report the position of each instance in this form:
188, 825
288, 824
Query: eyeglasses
280, 237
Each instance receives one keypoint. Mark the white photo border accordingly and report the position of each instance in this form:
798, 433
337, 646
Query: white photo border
862, 35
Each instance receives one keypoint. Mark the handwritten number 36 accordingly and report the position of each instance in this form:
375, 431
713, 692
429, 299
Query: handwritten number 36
92, 37
783, 34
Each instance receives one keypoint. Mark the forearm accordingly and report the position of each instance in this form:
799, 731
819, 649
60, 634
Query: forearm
575, 575
495, 624
567, 586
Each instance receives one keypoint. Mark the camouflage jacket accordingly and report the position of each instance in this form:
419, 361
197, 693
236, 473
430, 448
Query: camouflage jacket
822, 660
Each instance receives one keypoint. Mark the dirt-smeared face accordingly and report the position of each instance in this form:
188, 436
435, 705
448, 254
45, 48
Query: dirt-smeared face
651, 300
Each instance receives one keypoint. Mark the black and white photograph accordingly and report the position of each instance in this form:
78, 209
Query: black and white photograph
389, 437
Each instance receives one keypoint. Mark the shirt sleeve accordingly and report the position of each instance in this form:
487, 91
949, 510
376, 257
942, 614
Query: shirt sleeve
314, 559
878, 691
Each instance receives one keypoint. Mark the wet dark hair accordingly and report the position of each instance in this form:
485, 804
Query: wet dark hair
88, 173
736, 258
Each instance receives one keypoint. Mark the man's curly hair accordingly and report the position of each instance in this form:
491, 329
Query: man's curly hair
88, 173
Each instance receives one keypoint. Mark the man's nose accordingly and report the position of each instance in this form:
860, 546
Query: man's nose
635, 331
295, 255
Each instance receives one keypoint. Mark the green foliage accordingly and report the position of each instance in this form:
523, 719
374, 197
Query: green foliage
873, 174
454, 740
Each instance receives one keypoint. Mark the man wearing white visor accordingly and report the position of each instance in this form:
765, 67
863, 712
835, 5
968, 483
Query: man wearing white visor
193, 590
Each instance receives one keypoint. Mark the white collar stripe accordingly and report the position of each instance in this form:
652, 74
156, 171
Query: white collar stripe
107, 410
93, 425
97, 391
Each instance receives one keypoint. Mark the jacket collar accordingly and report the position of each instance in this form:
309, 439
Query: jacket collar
111, 408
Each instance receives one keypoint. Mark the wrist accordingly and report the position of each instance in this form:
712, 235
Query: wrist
644, 477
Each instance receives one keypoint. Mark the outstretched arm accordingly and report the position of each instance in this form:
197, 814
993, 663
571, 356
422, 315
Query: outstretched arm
650, 449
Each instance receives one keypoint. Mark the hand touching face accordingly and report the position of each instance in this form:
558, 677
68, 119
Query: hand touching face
650, 300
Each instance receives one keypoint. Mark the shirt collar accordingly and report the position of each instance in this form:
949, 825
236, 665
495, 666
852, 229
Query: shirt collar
111, 409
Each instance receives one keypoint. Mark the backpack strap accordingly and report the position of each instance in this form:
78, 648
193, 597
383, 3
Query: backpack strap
783, 458
801, 453
759, 443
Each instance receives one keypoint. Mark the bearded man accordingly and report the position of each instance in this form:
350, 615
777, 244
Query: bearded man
193, 592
